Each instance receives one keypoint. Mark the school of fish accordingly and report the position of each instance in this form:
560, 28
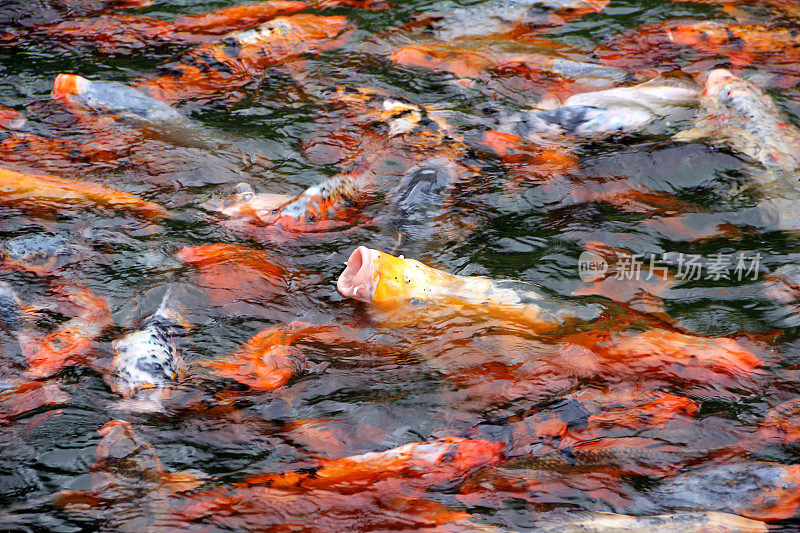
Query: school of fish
359, 265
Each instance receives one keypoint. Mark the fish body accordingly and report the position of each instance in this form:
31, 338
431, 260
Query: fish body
661, 351
426, 463
600, 114
736, 112
130, 489
72, 342
113, 98
379, 278
52, 154
744, 44
494, 17
48, 192
756, 490
36, 252
148, 357
106, 31
239, 58
690, 522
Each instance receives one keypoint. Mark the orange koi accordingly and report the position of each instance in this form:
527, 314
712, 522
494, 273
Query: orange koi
642, 294
142, 31
744, 44
53, 154
418, 463
18, 399
73, 342
659, 352
391, 282
528, 160
265, 362
782, 423
592, 414
11, 119
237, 60
269, 359
41, 191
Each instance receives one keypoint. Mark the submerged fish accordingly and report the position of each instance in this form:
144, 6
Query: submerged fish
599, 114
142, 31
270, 358
51, 154
735, 112
114, 99
72, 342
493, 17
227, 66
743, 44
442, 461
757, 490
660, 352
147, 359
690, 522
376, 277
50, 192
130, 489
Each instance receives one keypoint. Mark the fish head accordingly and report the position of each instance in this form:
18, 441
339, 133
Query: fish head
377, 277
780, 494
111, 98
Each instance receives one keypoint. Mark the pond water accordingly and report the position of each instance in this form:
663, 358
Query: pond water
366, 381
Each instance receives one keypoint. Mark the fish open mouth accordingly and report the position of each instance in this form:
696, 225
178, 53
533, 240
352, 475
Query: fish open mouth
358, 279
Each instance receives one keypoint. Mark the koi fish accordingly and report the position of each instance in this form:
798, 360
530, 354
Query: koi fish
143, 31
19, 398
494, 17
40, 191
690, 522
756, 490
213, 259
269, 359
73, 342
474, 62
41, 253
265, 362
591, 415
736, 112
743, 44
114, 99
530, 161
330, 204
11, 119
418, 198
632, 456
147, 358
418, 463
660, 352
599, 114
782, 422
130, 489
237, 60
53, 154
24, 14
379, 278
